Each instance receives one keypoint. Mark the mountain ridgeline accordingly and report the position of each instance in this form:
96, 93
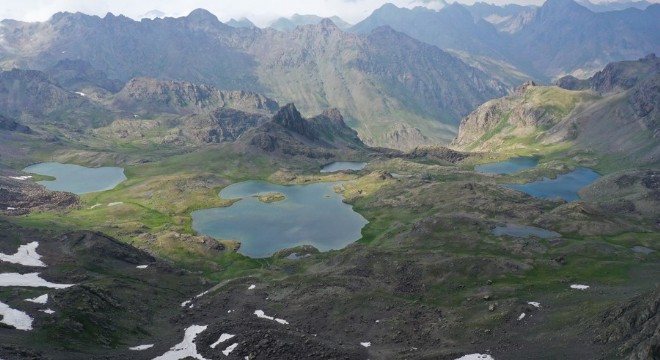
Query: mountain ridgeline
394, 90
559, 38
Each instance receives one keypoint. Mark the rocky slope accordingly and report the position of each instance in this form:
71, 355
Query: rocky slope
148, 95
18, 197
108, 304
144, 110
11, 125
382, 82
621, 119
31, 97
289, 134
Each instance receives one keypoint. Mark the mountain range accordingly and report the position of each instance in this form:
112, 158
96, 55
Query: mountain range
394, 90
560, 37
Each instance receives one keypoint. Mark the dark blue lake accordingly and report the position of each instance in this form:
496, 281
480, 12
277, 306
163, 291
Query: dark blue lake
311, 214
77, 179
509, 166
565, 186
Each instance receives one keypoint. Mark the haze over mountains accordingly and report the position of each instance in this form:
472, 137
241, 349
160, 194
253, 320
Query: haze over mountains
401, 77
561, 37
385, 91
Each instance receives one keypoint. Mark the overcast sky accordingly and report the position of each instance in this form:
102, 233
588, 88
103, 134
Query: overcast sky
261, 12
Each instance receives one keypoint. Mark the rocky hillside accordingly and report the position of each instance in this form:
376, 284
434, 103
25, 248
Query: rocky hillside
621, 119
144, 111
182, 97
289, 134
11, 125
32, 97
390, 87
380, 88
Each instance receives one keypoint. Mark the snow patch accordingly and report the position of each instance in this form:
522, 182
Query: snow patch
366, 344
534, 304
141, 347
115, 203
15, 318
261, 314
223, 338
202, 294
80, 93
39, 299
95, 206
252, 287
29, 280
522, 316
48, 311
25, 255
229, 349
187, 347
476, 357
185, 303
579, 287
11, 208
22, 178
142, 266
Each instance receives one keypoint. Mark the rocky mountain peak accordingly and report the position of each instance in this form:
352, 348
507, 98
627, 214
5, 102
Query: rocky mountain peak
289, 117
522, 87
328, 24
335, 117
568, 8
203, 19
202, 15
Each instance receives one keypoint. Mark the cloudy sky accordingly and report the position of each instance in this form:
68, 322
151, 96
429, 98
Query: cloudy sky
261, 12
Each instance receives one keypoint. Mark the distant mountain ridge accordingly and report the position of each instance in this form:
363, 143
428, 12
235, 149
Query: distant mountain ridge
559, 38
290, 23
390, 87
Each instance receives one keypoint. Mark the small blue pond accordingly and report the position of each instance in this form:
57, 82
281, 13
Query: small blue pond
343, 165
310, 215
565, 186
509, 166
77, 179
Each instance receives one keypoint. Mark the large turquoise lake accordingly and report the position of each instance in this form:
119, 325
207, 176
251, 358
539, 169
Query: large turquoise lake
509, 166
565, 186
311, 214
77, 179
